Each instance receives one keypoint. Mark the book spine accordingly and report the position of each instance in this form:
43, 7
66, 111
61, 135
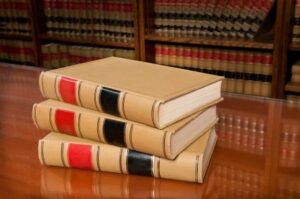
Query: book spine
103, 99
103, 129
108, 158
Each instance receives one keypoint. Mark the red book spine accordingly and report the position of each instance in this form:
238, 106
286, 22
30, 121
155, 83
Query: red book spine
67, 90
80, 156
65, 122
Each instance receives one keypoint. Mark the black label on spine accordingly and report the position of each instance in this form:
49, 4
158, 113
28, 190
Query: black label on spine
139, 163
109, 101
114, 132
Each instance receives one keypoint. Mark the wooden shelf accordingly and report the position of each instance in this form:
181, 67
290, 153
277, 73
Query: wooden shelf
292, 87
86, 41
15, 36
238, 43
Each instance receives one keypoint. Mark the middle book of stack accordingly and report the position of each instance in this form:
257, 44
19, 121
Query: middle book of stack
126, 116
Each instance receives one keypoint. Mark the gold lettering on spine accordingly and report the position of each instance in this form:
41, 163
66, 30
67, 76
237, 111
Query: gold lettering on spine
196, 168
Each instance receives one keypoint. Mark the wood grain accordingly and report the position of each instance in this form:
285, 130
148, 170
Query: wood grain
22, 176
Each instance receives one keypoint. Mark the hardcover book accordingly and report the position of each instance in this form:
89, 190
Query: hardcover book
67, 151
147, 93
77, 121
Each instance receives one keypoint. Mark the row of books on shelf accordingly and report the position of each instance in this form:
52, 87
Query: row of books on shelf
14, 17
248, 72
58, 55
16, 51
241, 132
295, 72
106, 20
221, 18
248, 84
295, 20
289, 148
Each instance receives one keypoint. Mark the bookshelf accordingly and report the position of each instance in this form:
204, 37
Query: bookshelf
274, 41
270, 42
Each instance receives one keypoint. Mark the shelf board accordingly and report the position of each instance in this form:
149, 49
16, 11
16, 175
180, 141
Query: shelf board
238, 43
292, 87
86, 41
15, 36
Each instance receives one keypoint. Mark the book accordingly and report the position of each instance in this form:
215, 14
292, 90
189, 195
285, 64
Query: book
147, 93
67, 151
108, 20
77, 121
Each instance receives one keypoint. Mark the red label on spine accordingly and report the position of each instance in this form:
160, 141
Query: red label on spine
80, 156
67, 90
65, 121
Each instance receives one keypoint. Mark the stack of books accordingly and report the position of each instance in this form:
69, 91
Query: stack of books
125, 116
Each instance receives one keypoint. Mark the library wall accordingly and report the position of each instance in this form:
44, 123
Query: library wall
246, 43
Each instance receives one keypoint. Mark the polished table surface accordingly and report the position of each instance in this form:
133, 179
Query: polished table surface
257, 153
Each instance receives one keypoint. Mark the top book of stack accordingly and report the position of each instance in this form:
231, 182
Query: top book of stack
147, 93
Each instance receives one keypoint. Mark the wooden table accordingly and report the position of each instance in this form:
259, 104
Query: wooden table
257, 154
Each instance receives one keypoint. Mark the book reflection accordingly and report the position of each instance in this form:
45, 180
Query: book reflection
61, 182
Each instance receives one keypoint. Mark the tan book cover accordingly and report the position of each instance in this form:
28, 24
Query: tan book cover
147, 93
67, 151
81, 122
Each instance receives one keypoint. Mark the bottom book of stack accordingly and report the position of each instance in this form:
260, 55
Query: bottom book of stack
62, 150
